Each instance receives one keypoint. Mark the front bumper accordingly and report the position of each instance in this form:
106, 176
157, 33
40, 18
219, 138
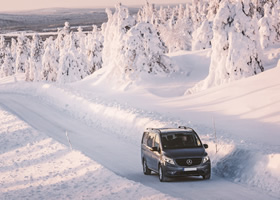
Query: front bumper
179, 171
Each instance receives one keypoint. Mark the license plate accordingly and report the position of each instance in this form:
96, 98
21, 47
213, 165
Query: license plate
190, 169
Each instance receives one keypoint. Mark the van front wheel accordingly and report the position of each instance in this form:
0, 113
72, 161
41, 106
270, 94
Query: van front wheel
161, 174
146, 170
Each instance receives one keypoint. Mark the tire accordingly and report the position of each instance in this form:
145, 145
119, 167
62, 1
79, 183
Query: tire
146, 170
161, 174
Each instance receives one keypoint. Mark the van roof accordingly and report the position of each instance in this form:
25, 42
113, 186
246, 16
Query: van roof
168, 130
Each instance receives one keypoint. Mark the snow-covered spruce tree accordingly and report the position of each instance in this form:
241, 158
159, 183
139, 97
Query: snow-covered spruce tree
23, 53
2, 50
174, 26
13, 47
147, 13
49, 61
8, 64
143, 52
258, 7
114, 31
131, 49
69, 69
80, 39
212, 9
59, 41
198, 12
176, 33
265, 27
202, 36
66, 29
81, 56
182, 31
62, 40
236, 52
276, 21
35, 60
94, 47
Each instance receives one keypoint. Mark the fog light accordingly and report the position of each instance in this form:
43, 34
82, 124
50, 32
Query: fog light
172, 172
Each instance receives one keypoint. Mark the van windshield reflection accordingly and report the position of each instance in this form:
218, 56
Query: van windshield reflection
180, 140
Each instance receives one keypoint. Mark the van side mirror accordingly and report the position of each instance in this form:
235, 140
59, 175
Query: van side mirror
205, 146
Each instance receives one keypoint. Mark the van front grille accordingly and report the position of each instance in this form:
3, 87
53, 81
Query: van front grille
186, 161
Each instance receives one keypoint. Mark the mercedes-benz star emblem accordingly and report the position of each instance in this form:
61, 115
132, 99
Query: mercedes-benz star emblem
189, 162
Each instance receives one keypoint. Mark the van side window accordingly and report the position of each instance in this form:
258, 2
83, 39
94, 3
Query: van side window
145, 138
156, 143
198, 141
150, 140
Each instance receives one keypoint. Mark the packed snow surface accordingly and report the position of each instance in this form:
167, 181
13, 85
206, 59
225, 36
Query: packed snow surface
35, 166
245, 156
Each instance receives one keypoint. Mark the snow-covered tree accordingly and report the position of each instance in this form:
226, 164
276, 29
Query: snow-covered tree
69, 68
212, 9
265, 27
202, 36
175, 30
35, 60
13, 47
49, 61
66, 29
81, 56
114, 31
147, 13
94, 47
59, 41
23, 51
2, 49
80, 39
8, 64
198, 12
236, 50
143, 52
130, 49
176, 34
276, 21
63, 41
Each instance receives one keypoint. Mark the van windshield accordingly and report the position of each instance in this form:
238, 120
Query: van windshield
180, 140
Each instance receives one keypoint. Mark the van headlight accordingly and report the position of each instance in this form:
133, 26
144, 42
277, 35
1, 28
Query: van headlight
205, 159
168, 160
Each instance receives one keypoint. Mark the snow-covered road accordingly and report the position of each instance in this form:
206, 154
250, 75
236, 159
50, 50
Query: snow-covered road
115, 153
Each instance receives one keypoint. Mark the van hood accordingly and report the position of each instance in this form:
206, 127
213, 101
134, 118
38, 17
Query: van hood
182, 153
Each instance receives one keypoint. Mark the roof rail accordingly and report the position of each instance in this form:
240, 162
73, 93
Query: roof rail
153, 129
183, 127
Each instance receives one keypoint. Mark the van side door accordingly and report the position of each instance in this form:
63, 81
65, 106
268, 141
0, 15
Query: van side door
149, 152
155, 153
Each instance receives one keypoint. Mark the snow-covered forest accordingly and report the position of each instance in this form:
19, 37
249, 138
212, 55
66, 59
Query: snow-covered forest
237, 31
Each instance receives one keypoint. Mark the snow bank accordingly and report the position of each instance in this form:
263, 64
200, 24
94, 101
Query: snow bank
35, 166
251, 168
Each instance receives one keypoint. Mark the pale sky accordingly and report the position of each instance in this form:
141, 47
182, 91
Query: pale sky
18, 5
